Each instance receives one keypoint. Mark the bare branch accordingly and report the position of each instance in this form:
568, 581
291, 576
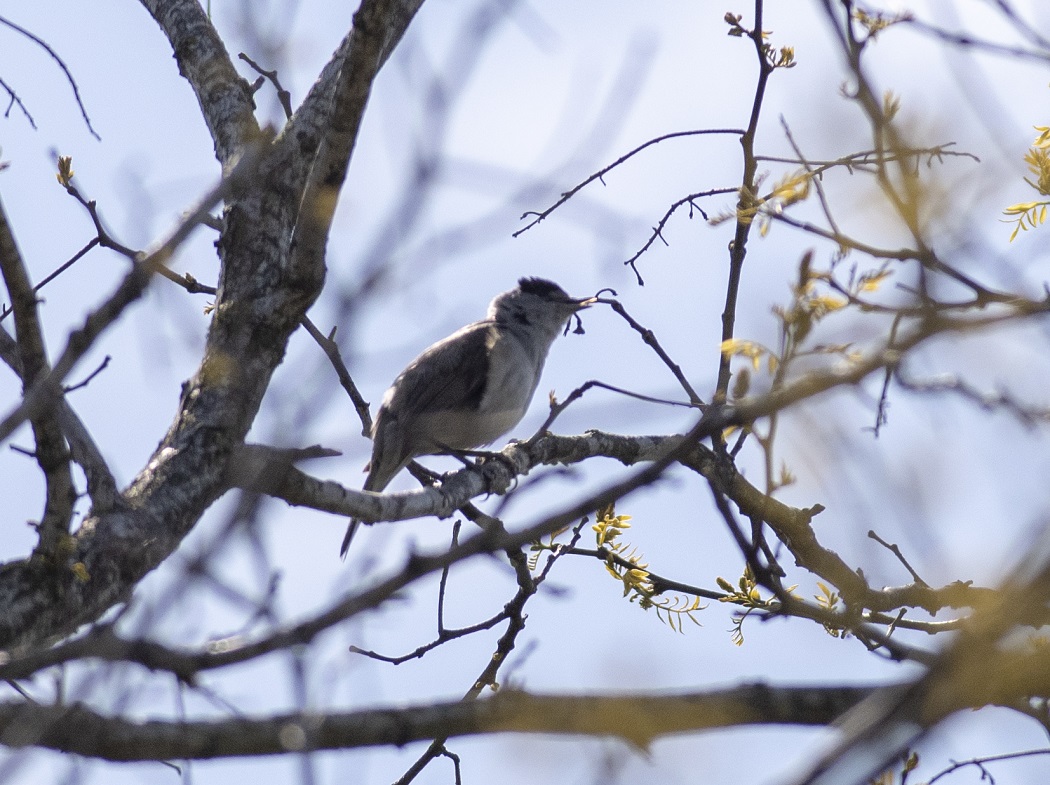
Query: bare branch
101, 485
51, 453
650, 339
659, 228
45, 389
378, 27
16, 101
896, 551
69, 77
980, 763
31, 609
639, 719
282, 95
738, 249
224, 96
1027, 414
61, 269
991, 47
331, 350
567, 195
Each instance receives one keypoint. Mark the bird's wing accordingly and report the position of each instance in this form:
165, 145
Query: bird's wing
448, 376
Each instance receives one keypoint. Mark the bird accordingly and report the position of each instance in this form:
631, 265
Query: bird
468, 389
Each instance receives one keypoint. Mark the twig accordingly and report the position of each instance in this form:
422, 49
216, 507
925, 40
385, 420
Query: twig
658, 229
967, 40
79, 385
881, 416
331, 350
62, 65
1028, 415
650, 338
896, 551
15, 100
924, 256
660, 583
61, 269
561, 550
514, 612
811, 171
443, 637
443, 581
567, 195
282, 95
869, 158
106, 240
979, 764
457, 773
738, 249
557, 407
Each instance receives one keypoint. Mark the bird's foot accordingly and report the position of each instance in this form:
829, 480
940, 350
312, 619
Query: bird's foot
485, 456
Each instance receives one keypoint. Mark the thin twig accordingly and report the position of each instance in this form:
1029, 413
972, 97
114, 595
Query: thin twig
658, 229
62, 65
979, 764
650, 339
896, 551
1026, 414
869, 158
106, 240
61, 269
443, 581
567, 195
444, 637
811, 171
557, 407
331, 350
504, 646
282, 95
16, 101
80, 385
660, 583
881, 416
971, 42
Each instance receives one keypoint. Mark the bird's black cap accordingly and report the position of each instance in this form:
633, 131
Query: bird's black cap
541, 287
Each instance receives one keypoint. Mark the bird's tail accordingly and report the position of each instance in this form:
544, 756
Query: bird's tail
350, 531
375, 481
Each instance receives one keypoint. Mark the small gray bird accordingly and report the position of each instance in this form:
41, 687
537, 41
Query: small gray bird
471, 388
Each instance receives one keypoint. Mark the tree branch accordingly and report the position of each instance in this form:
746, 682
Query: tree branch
116, 547
51, 453
65, 70
600, 174
378, 27
224, 96
638, 719
101, 485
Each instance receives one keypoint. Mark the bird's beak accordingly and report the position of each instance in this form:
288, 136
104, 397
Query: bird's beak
585, 302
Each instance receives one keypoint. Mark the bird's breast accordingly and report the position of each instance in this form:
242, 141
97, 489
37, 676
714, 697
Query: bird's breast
512, 375
467, 430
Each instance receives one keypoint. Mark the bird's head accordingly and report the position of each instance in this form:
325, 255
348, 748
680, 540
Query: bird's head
536, 303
